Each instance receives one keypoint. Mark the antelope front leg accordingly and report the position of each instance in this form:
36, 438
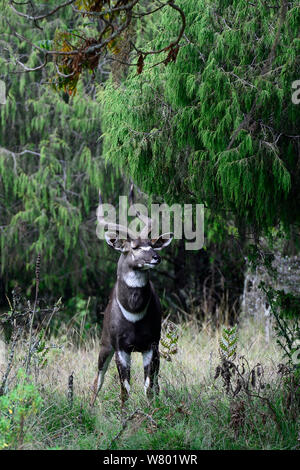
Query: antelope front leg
123, 360
151, 369
105, 355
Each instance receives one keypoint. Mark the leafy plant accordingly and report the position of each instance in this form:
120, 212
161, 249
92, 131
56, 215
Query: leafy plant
285, 308
76, 50
79, 310
219, 123
228, 343
17, 408
169, 341
50, 171
19, 320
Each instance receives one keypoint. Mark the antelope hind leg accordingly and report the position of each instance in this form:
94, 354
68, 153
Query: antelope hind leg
123, 360
105, 356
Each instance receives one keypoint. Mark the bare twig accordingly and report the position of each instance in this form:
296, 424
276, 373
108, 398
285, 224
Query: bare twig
40, 17
10, 361
71, 389
87, 53
127, 420
37, 283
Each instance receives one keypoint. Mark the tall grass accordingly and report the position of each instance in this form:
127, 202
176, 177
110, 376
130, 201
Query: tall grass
193, 410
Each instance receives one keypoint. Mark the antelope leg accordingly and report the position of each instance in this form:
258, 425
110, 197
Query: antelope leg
123, 360
151, 369
105, 356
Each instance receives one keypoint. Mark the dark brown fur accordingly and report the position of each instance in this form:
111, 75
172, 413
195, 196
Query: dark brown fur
121, 336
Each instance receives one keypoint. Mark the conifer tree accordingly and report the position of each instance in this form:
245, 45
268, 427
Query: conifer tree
50, 173
219, 125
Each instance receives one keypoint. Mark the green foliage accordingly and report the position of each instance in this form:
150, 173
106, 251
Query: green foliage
50, 172
219, 123
169, 341
79, 310
228, 343
96, 31
192, 411
257, 256
177, 420
285, 308
17, 408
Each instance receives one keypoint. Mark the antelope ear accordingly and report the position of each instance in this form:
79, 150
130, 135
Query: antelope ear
162, 241
120, 244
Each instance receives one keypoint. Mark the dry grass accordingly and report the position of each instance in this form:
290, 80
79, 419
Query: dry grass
192, 410
195, 361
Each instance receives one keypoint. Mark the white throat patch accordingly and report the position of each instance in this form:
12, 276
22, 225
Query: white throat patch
133, 317
136, 279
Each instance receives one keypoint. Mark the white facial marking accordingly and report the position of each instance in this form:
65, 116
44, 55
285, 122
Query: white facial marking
147, 356
146, 248
127, 386
135, 279
149, 265
132, 317
125, 358
147, 383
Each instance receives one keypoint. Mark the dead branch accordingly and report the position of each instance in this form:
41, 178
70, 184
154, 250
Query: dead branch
16, 336
70, 63
40, 17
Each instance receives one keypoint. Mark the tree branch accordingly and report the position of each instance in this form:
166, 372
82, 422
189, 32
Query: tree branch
40, 17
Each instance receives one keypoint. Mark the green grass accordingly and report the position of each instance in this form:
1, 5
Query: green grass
192, 411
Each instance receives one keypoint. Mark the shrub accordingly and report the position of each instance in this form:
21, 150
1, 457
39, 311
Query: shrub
17, 408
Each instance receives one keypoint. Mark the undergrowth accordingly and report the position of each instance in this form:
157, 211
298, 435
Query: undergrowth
195, 409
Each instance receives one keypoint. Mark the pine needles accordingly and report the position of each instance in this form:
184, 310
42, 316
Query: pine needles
225, 134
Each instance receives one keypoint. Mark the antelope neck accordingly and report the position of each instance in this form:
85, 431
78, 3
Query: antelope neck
133, 317
135, 278
133, 293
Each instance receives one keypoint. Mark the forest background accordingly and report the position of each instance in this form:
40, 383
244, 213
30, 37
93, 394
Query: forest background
210, 120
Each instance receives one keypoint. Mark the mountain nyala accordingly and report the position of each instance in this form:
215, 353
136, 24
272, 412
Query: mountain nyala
132, 319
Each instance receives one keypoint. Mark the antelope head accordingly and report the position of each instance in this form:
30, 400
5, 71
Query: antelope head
138, 253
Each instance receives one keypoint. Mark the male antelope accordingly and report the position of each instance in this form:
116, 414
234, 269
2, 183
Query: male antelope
132, 319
